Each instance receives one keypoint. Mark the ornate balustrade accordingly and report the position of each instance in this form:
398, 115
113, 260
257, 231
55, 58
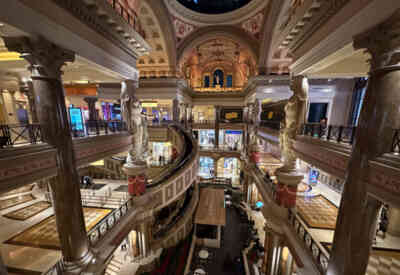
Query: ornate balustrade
319, 254
101, 229
180, 228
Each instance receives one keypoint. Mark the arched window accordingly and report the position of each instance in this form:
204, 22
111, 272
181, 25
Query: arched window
229, 81
218, 78
206, 81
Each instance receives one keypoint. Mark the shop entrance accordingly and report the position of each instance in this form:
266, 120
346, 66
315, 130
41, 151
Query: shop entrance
206, 169
231, 139
229, 168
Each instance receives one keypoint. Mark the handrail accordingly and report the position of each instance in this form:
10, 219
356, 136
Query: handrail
320, 255
340, 134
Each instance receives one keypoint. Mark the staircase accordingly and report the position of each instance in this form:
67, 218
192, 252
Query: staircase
113, 267
383, 265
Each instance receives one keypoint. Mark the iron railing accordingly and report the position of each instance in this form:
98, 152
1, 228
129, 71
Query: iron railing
340, 134
129, 15
99, 127
320, 256
275, 125
16, 134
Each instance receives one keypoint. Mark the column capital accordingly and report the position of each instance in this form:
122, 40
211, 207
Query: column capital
90, 99
45, 58
383, 43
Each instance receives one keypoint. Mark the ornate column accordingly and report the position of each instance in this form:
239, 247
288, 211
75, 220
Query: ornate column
216, 129
288, 177
3, 110
91, 102
394, 221
3, 269
380, 114
14, 107
273, 250
257, 111
27, 89
46, 60
175, 110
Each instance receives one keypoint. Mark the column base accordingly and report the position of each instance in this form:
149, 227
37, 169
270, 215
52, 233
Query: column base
136, 177
78, 266
287, 187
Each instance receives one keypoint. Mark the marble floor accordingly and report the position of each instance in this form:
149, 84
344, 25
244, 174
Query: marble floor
37, 259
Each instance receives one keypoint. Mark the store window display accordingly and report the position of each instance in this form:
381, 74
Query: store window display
207, 138
231, 139
161, 153
206, 167
229, 168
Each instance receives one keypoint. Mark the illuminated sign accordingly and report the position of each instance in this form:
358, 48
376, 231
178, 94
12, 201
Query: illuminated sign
231, 115
75, 115
149, 104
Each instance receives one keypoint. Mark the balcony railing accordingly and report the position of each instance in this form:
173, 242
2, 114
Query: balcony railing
276, 125
221, 148
320, 256
129, 15
204, 122
19, 134
100, 230
99, 127
340, 134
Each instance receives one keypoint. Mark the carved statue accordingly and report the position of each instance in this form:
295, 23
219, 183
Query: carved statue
126, 103
140, 135
295, 111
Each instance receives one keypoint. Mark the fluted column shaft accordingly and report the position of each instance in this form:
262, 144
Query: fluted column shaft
380, 114
46, 60
91, 102
216, 129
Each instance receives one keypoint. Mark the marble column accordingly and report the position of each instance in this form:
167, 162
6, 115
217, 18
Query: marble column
46, 60
216, 128
14, 107
394, 221
3, 269
273, 251
91, 102
175, 110
355, 228
3, 110
27, 89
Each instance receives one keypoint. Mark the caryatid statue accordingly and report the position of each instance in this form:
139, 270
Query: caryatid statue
295, 112
132, 114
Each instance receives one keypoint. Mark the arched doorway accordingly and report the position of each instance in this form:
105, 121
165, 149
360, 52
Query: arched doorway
229, 168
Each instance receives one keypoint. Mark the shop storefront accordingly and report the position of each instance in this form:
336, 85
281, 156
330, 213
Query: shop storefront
157, 110
206, 138
203, 113
231, 139
229, 168
161, 153
206, 167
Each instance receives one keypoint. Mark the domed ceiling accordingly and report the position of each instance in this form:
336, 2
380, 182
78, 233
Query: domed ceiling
213, 6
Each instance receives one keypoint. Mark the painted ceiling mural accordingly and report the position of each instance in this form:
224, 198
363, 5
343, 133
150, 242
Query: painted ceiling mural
182, 29
254, 24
